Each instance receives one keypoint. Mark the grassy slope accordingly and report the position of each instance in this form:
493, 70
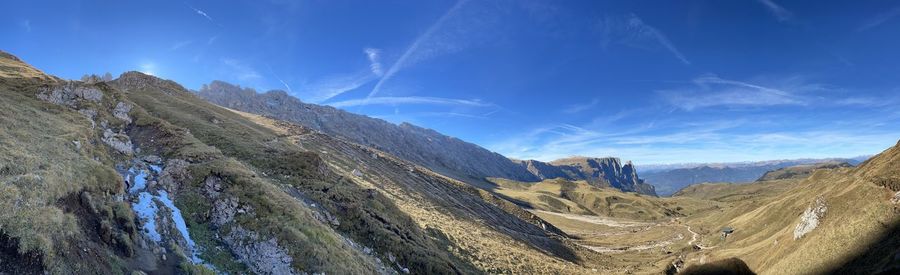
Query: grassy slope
451, 210
765, 214
800, 171
38, 162
368, 218
578, 197
59, 197
314, 246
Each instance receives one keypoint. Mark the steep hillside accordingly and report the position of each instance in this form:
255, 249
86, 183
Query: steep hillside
443, 154
93, 183
839, 220
481, 226
140, 174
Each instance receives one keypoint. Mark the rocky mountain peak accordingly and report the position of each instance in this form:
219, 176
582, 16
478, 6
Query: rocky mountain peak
603, 172
137, 80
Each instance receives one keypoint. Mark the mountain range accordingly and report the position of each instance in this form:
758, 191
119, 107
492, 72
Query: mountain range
443, 154
138, 175
668, 181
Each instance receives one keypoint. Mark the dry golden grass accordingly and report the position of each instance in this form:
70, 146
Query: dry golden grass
13, 68
765, 214
579, 197
489, 249
762, 213
41, 166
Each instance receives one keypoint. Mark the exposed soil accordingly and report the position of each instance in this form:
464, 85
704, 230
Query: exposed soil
14, 262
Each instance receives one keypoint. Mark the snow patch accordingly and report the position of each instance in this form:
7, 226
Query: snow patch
146, 211
179, 224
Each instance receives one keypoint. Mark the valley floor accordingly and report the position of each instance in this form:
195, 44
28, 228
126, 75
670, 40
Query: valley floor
634, 246
834, 220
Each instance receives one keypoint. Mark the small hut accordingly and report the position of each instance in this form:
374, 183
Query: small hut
726, 231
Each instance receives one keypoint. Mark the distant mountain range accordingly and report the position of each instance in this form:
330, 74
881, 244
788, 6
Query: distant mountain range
443, 154
673, 166
670, 178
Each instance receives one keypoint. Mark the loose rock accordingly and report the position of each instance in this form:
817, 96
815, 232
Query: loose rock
810, 218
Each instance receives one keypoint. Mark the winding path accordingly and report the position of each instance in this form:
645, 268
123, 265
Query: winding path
694, 238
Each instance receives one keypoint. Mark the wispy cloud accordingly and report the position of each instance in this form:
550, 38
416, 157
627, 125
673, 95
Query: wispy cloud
324, 89
713, 140
577, 108
26, 25
240, 70
709, 91
398, 117
374, 60
180, 44
202, 13
868, 102
332, 86
879, 19
410, 100
415, 46
778, 11
632, 31
286, 86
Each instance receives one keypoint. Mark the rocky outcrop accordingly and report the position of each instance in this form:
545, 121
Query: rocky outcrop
119, 142
121, 111
543, 170
69, 93
262, 256
137, 81
447, 155
602, 172
809, 220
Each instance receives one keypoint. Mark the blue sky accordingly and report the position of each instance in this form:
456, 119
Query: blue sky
649, 81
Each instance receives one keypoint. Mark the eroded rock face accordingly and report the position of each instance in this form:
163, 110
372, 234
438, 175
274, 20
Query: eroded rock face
597, 171
174, 174
121, 111
223, 211
212, 187
809, 220
119, 142
69, 93
261, 256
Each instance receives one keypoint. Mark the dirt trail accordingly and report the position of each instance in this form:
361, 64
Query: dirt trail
694, 236
625, 227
